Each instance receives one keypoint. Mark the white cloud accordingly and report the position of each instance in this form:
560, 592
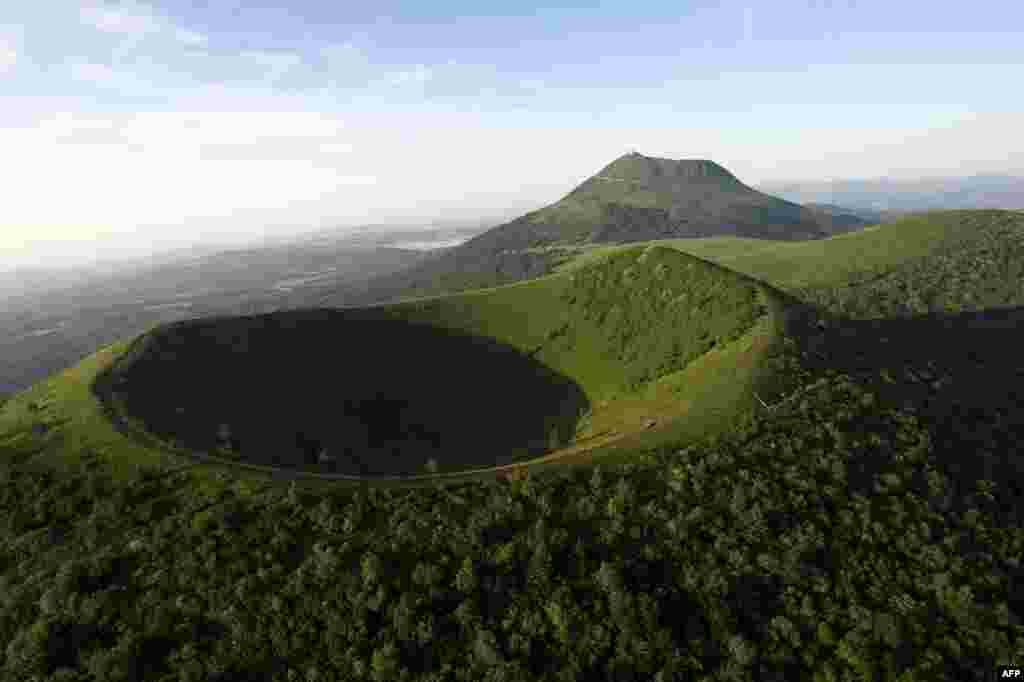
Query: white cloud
109, 20
417, 74
206, 136
108, 190
92, 72
8, 57
223, 173
343, 52
134, 19
336, 148
69, 129
190, 37
165, 61
237, 127
273, 64
104, 76
346, 64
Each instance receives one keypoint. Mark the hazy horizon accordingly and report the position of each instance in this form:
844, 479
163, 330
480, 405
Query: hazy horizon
114, 258
133, 128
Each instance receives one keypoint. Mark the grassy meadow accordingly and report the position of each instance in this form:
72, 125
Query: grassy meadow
789, 461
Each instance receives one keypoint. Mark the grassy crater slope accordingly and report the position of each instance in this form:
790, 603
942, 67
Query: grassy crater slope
647, 346
927, 310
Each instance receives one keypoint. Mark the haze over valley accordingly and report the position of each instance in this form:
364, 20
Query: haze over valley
49, 325
901, 195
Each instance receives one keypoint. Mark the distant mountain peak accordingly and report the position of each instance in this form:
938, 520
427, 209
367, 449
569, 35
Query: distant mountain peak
636, 166
634, 198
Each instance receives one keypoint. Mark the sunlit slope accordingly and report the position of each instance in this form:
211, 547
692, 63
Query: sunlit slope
940, 260
928, 311
648, 345
57, 422
648, 335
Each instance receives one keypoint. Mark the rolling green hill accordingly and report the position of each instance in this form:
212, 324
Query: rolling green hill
635, 198
830, 489
927, 309
926, 262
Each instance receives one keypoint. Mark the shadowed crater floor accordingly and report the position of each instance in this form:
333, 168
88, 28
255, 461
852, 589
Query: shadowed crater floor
358, 392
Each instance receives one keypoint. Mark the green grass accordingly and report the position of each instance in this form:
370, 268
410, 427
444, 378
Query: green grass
75, 424
580, 211
616, 337
834, 261
606, 331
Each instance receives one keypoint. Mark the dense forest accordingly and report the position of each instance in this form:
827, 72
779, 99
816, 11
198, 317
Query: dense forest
819, 542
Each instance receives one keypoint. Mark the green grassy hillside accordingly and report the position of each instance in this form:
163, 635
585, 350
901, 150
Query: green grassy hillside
573, 366
864, 524
928, 310
939, 244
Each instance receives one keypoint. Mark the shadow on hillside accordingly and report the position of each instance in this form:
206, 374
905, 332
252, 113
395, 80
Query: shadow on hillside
962, 372
344, 391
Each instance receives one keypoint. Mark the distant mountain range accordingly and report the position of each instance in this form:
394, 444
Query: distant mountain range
836, 219
634, 198
978, 191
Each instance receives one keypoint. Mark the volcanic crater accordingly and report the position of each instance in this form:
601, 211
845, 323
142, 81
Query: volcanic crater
355, 392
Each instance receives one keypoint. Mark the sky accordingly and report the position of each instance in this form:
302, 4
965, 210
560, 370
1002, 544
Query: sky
132, 127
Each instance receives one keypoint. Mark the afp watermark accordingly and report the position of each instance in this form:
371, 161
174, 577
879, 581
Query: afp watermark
1009, 672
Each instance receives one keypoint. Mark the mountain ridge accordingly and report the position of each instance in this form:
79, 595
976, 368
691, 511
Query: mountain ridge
982, 191
637, 197
838, 219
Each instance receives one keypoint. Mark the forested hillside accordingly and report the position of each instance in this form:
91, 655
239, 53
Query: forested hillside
820, 541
